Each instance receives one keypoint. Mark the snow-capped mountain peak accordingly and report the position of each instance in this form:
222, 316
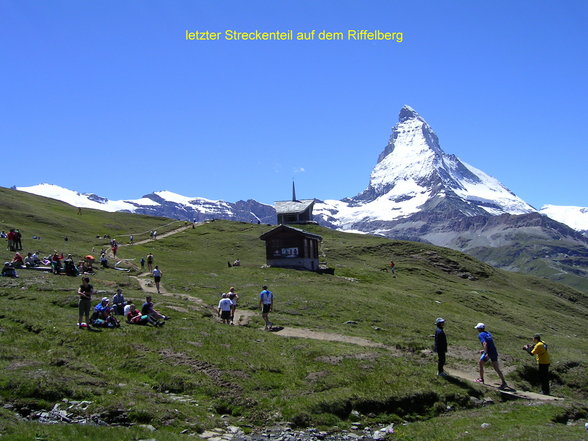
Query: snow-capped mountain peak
161, 203
575, 217
414, 175
77, 199
414, 158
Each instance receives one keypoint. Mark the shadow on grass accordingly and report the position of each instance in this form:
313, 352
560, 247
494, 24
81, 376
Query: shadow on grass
93, 329
464, 385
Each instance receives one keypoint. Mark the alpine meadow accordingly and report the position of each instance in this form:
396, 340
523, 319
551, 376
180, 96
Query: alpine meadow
349, 351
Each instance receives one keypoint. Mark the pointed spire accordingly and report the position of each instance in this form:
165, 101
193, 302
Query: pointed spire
293, 192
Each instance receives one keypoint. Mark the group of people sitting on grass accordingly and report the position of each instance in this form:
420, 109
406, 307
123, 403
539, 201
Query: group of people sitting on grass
56, 263
105, 312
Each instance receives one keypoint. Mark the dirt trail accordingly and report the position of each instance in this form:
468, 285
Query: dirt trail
326, 336
493, 384
243, 317
160, 236
148, 286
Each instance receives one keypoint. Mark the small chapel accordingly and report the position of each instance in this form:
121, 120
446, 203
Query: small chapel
295, 211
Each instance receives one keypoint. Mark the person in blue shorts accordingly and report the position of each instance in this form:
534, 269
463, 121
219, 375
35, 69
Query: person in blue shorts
488, 353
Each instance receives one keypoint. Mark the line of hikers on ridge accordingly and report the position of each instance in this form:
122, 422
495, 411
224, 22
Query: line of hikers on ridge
489, 353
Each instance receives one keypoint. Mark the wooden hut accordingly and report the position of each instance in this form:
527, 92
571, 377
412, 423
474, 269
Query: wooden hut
288, 247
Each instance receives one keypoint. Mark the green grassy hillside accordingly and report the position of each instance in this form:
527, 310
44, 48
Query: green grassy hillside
195, 373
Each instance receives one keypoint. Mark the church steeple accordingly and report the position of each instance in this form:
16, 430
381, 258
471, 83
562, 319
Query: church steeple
294, 193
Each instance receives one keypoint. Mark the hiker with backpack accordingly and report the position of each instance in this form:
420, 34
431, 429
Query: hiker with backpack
150, 262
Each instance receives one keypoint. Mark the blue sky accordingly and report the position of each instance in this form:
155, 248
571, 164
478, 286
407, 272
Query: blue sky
109, 97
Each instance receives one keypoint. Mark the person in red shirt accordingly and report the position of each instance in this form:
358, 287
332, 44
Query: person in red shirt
10, 238
17, 260
136, 318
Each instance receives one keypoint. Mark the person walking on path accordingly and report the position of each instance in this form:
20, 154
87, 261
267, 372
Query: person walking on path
85, 292
440, 346
234, 298
157, 277
266, 303
392, 269
150, 262
488, 353
225, 307
539, 349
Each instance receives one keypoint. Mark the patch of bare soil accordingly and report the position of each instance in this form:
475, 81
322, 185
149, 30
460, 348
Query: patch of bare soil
211, 371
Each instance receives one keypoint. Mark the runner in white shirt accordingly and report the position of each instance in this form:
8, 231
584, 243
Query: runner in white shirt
224, 309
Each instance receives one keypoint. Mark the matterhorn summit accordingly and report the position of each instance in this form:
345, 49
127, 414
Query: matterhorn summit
413, 165
414, 175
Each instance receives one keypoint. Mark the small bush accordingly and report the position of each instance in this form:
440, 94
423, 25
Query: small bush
303, 419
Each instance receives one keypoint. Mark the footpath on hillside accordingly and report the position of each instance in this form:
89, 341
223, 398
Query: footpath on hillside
162, 236
243, 318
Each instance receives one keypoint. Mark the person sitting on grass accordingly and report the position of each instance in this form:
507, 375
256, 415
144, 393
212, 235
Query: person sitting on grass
70, 267
29, 261
103, 260
148, 309
8, 270
135, 317
127, 308
56, 262
118, 302
103, 315
17, 261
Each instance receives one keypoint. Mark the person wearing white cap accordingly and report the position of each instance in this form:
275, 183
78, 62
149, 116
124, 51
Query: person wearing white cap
489, 353
440, 346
